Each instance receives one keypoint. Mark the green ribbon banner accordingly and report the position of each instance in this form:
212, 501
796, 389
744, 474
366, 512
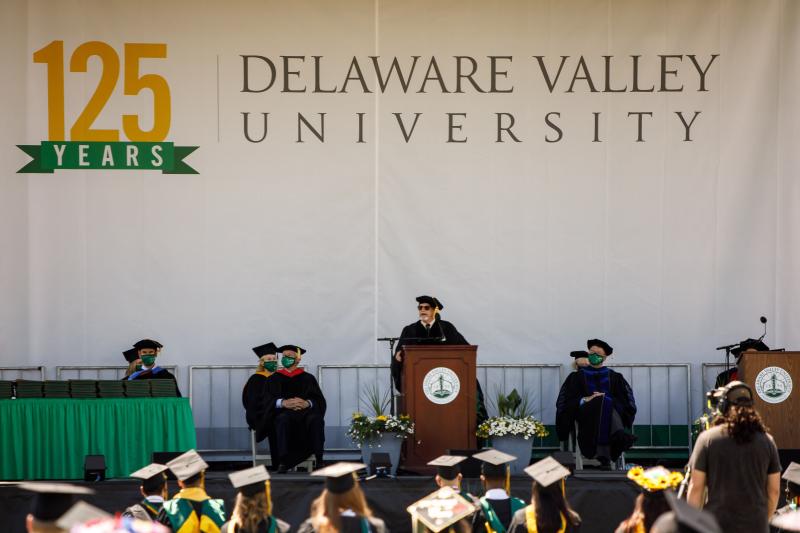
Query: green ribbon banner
76, 155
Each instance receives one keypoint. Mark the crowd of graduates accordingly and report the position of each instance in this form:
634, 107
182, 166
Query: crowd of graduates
342, 506
731, 486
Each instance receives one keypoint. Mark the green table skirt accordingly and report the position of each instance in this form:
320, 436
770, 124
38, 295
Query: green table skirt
49, 438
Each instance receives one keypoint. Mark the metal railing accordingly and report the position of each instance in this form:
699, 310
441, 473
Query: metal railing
662, 391
11, 373
665, 389
349, 399
523, 377
215, 395
99, 372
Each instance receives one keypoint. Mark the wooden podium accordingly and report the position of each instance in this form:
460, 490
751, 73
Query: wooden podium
439, 394
771, 375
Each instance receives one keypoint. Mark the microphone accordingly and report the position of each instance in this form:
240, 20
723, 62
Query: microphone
441, 330
763, 321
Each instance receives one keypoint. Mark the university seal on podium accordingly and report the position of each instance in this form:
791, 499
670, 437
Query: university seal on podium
773, 384
441, 385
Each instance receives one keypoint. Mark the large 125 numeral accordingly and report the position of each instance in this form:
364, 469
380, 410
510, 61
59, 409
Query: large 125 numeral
53, 56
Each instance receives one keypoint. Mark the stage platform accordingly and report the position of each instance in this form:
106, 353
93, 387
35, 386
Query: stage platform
603, 500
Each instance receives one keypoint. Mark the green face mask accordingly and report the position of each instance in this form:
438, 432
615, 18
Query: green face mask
138, 367
595, 359
270, 366
287, 361
148, 360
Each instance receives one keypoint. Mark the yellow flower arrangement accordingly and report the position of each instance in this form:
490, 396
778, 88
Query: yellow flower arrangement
367, 428
655, 479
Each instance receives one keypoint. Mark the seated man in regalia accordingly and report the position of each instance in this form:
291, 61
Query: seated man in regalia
147, 351
600, 401
298, 411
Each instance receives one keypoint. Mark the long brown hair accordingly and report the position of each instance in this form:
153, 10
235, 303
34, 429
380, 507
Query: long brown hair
742, 422
249, 511
326, 509
550, 504
648, 507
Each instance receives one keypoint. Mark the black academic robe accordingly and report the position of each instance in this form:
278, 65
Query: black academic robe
441, 332
569, 411
417, 334
350, 524
726, 376
254, 402
161, 374
503, 510
259, 416
298, 434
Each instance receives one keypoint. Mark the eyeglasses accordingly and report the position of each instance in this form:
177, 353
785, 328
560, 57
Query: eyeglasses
423, 307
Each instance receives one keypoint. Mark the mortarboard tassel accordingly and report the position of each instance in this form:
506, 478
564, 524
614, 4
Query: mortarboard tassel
267, 491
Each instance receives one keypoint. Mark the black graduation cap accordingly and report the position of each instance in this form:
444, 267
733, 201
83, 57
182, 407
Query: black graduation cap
131, 355
339, 476
250, 481
153, 476
52, 500
265, 349
495, 463
430, 300
146, 344
448, 466
579, 353
792, 474
686, 518
547, 471
291, 347
749, 344
600, 344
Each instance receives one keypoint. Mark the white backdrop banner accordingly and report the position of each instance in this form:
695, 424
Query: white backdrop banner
220, 174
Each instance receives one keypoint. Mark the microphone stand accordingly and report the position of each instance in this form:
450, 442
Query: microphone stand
728, 354
392, 341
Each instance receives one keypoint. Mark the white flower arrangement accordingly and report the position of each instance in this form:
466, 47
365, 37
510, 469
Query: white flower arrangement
515, 419
501, 426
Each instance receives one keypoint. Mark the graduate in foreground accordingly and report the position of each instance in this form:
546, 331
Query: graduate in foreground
342, 507
252, 512
497, 506
549, 510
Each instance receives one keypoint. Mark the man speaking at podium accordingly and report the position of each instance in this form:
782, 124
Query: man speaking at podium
430, 329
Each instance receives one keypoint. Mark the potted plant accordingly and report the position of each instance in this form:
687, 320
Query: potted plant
513, 429
379, 432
